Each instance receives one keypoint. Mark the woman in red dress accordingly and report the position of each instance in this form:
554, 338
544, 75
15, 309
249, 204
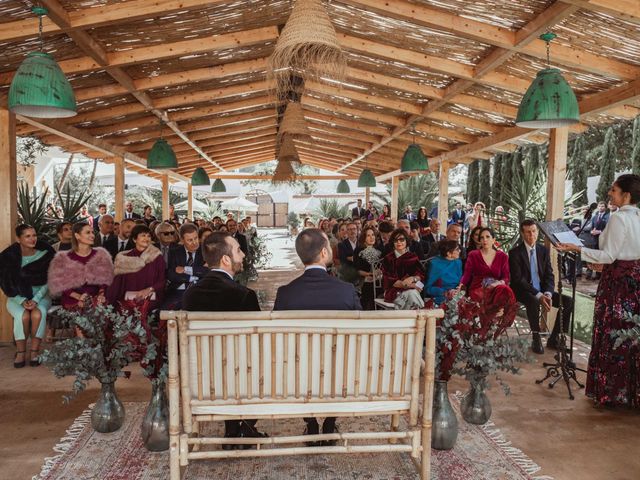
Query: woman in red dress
402, 274
486, 279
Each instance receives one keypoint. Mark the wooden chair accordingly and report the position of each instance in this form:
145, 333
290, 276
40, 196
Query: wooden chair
245, 365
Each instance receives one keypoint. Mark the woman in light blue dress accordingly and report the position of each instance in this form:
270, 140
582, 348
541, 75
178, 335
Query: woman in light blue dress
23, 278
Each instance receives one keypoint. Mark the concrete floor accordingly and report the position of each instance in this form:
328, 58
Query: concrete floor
569, 439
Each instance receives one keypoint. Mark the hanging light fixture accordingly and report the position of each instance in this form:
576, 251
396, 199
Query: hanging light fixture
200, 177
414, 159
366, 179
162, 155
218, 186
343, 187
549, 101
39, 88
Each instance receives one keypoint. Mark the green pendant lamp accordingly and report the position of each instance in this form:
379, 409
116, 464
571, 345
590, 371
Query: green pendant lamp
343, 187
366, 179
549, 102
39, 88
162, 155
414, 159
200, 177
218, 186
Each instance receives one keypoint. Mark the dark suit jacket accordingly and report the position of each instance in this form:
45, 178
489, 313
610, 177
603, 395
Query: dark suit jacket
458, 219
178, 258
112, 246
216, 292
97, 242
345, 250
520, 269
358, 212
600, 222
315, 289
134, 215
96, 227
242, 240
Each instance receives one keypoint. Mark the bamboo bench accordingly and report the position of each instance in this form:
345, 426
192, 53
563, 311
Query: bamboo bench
277, 365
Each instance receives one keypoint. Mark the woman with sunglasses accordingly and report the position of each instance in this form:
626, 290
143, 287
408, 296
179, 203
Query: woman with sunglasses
402, 274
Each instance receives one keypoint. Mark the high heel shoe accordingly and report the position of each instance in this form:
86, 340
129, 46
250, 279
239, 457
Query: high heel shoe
36, 362
19, 364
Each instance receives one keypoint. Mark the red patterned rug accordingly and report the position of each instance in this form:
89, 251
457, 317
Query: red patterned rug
481, 453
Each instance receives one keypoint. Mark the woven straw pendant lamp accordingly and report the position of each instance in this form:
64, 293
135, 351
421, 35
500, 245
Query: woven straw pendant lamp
288, 151
308, 46
293, 124
284, 172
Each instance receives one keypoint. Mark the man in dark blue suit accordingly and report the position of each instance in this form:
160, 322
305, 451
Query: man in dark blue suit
532, 282
459, 215
315, 289
185, 266
598, 223
346, 252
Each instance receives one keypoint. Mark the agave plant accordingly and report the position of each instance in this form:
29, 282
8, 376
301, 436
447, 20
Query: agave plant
33, 210
71, 203
417, 191
331, 208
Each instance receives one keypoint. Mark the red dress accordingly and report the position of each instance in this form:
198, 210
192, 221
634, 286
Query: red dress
398, 268
493, 299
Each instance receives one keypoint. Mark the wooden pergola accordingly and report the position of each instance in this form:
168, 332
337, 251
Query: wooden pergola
455, 69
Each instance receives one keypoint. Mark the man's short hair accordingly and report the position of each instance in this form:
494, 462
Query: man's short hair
414, 225
188, 228
102, 205
403, 221
60, 226
385, 227
216, 246
454, 225
309, 244
527, 222
125, 220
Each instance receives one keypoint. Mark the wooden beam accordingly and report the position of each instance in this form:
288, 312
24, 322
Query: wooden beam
8, 210
165, 196
395, 187
189, 200
308, 101
443, 196
627, 10
118, 176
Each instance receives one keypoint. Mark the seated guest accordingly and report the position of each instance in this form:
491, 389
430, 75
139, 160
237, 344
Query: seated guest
346, 250
316, 290
386, 213
185, 267
217, 292
104, 233
166, 235
454, 232
365, 255
532, 281
203, 233
121, 242
147, 215
23, 279
139, 272
401, 274
385, 229
434, 235
232, 227
81, 276
63, 231
414, 246
415, 237
474, 239
445, 270
486, 279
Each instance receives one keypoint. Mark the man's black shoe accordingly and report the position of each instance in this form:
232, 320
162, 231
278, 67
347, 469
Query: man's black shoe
536, 344
231, 446
249, 431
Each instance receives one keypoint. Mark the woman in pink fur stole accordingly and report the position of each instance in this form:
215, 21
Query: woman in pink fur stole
81, 275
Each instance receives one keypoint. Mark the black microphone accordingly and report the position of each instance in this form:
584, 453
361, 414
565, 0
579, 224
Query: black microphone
588, 214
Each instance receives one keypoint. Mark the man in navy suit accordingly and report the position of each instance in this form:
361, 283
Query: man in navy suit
185, 266
532, 282
102, 210
358, 211
598, 223
459, 215
315, 289
346, 251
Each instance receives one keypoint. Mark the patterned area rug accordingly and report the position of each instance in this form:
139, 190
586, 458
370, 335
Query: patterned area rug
481, 453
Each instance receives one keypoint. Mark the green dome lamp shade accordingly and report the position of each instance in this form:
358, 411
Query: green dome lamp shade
39, 88
200, 177
343, 187
366, 179
162, 156
414, 160
218, 186
549, 102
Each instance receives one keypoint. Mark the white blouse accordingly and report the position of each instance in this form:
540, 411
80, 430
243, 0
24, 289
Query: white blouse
620, 240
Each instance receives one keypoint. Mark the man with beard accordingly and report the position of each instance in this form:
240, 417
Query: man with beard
217, 292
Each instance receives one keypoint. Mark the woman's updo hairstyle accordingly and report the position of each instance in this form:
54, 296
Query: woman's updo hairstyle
629, 183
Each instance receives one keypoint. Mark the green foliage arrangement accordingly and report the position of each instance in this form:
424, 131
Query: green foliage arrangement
507, 179
33, 210
29, 149
71, 201
630, 334
293, 220
106, 347
329, 207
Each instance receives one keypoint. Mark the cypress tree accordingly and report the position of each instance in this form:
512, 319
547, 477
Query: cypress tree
496, 186
635, 152
608, 165
507, 178
473, 182
579, 171
484, 191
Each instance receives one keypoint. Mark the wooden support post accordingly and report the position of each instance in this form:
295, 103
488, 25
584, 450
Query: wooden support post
443, 196
8, 207
165, 196
558, 141
395, 186
119, 188
367, 196
190, 201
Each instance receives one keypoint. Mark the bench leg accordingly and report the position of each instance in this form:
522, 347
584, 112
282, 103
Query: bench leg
174, 458
195, 432
395, 422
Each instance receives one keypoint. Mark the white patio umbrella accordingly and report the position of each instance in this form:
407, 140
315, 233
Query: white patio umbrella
198, 206
240, 203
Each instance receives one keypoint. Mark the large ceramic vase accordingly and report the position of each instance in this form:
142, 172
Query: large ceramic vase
155, 424
475, 406
108, 413
444, 429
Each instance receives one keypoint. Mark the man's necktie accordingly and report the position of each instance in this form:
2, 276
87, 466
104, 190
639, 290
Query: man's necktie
535, 278
122, 244
190, 259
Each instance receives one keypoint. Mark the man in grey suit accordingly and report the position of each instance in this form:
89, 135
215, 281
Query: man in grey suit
104, 232
315, 289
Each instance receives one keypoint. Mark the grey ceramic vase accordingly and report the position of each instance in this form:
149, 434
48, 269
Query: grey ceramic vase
475, 406
444, 429
155, 424
108, 413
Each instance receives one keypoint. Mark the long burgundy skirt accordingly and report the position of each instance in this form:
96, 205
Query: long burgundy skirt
613, 376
